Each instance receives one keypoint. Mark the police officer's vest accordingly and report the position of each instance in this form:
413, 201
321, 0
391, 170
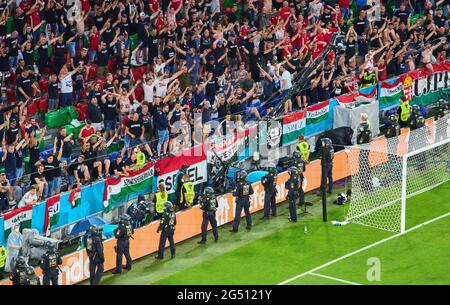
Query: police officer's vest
188, 187
52, 260
171, 221
2, 256
245, 189
129, 230
89, 243
303, 147
160, 200
212, 205
405, 110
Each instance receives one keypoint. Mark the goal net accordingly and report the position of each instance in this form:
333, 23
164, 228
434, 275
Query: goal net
385, 172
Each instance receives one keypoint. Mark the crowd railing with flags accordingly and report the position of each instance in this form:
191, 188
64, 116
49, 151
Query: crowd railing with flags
420, 86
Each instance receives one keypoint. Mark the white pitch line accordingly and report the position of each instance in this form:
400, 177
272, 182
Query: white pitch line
334, 278
363, 249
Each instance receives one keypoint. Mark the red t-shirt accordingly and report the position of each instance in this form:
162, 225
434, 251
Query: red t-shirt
94, 40
274, 19
244, 30
85, 5
316, 51
285, 13
35, 19
159, 24
382, 72
344, 3
154, 5
287, 48
176, 4
86, 132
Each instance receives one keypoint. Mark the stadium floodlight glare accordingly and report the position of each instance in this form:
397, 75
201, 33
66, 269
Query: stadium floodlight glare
386, 172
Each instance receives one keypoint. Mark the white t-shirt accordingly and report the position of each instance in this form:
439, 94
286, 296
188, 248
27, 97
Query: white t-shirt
159, 68
148, 92
287, 78
66, 84
27, 199
161, 89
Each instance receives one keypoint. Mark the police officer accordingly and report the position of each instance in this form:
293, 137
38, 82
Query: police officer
441, 124
187, 193
404, 112
391, 134
167, 228
299, 163
303, 148
30, 278
123, 233
364, 134
415, 115
18, 273
269, 183
328, 161
94, 249
49, 265
242, 193
292, 186
418, 135
209, 206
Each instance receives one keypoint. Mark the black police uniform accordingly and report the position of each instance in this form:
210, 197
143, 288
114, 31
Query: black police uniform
300, 164
123, 233
94, 249
392, 133
49, 265
243, 192
292, 186
418, 139
30, 279
329, 155
18, 275
364, 137
269, 183
441, 124
167, 229
209, 206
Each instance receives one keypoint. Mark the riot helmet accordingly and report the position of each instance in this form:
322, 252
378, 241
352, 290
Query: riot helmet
168, 206
416, 109
392, 119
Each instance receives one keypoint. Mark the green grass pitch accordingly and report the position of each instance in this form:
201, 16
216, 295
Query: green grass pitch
277, 251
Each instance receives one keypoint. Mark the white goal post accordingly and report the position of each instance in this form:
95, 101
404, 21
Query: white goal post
386, 172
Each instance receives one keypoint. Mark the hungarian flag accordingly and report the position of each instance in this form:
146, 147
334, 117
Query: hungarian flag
390, 92
317, 113
52, 209
293, 125
75, 197
21, 216
118, 189
368, 92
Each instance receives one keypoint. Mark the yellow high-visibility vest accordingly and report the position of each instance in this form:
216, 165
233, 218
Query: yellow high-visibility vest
188, 188
160, 200
140, 160
2, 256
304, 149
405, 111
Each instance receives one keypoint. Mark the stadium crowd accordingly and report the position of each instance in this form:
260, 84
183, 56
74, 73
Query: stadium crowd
146, 72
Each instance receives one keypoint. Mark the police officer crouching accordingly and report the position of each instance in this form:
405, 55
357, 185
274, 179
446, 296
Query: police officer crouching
243, 192
269, 183
94, 248
364, 137
18, 273
167, 228
292, 186
50, 262
30, 278
123, 233
209, 206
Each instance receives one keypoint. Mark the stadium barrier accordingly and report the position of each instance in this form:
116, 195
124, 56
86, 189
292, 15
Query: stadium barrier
75, 267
